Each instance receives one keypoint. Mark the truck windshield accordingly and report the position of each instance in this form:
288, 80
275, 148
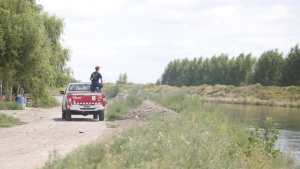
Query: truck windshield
79, 87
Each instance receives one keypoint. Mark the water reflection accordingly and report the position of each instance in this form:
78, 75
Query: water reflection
285, 119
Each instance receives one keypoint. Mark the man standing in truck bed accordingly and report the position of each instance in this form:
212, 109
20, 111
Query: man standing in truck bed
95, 77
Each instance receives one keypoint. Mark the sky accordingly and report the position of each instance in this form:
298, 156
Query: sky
140, 37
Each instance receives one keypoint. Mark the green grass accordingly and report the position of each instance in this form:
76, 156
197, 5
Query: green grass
130, 98
193, 140
8, 121
118, 109
111, 90
6, 105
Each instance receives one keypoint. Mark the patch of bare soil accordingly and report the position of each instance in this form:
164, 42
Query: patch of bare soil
147, 109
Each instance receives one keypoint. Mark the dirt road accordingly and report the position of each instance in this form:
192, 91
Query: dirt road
28, 146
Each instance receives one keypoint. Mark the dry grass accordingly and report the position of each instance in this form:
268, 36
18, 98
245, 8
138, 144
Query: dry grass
253, 94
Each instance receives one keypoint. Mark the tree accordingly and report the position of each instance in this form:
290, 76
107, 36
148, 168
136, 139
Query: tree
242, 69
291, 68
31, 54
268, 68
122, 78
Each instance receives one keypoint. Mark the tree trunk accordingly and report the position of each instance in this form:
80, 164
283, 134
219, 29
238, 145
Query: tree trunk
8, 91
1, 88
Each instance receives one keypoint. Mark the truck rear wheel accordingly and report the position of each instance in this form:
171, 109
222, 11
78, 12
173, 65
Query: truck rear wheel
68, 116
63, 115
101, 116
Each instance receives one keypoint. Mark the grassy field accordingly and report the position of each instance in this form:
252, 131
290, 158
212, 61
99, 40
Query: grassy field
252, 95
8, 121
193, 140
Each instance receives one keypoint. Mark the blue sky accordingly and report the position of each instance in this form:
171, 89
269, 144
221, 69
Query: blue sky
141, 36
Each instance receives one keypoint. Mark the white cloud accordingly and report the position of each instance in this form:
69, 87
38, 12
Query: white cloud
223, 11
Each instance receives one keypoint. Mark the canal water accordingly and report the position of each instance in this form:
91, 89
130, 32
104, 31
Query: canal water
287, 120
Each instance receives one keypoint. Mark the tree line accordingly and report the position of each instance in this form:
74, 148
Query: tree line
31, 54
271, 68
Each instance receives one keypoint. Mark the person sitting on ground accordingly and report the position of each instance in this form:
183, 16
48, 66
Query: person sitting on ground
95, 77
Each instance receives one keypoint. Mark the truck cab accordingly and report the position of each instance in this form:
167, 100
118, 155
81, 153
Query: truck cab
79, 100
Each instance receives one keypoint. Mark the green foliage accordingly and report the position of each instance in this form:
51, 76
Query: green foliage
8, 121
6, 105
216, 70
46, 101
31, 54
268, 68
291, 69
267, 135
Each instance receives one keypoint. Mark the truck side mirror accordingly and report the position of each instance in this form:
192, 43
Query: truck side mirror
62, 92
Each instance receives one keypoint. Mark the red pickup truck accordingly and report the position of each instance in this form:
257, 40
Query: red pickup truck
79, 100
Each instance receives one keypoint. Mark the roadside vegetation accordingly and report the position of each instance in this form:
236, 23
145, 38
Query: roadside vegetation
194, 139
251, 94
120, 106
5, 105
111, 90
8, 121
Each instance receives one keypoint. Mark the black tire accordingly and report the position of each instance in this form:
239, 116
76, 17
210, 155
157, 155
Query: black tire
101, 116
63, 115
68, 116
95, 116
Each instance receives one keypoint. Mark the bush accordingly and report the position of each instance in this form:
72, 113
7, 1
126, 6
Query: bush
45, 101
